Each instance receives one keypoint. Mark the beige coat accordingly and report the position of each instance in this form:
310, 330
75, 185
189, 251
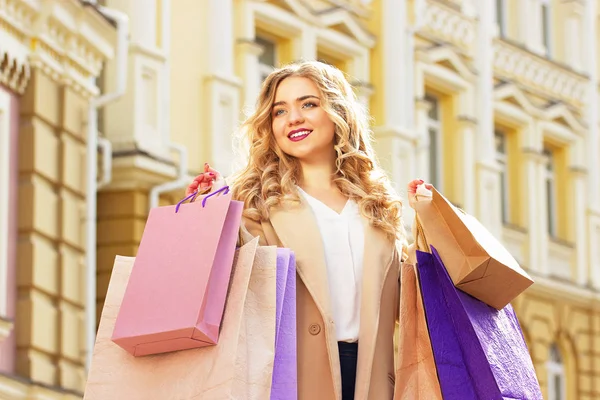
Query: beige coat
319, 376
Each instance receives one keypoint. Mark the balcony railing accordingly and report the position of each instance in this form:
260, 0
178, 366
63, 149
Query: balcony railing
538, 73
444, 21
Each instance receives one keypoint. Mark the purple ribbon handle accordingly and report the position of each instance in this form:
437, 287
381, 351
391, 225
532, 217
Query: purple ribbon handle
193, 197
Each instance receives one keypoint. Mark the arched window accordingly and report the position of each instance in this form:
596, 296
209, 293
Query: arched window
556, 375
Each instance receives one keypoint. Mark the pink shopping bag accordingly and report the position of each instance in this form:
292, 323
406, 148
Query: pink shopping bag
176, 293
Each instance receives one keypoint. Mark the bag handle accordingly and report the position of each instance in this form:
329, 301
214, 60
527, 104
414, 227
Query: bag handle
193, 197
420, 234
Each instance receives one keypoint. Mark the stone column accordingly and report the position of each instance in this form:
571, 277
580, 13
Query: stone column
305, 45
466, 186
222, 87
51, 219
533, 195
139, 120
488, 172
394, 139
247, 67
51, 279
578, 197
422, 108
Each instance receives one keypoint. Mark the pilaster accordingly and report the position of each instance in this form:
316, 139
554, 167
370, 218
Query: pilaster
51, 269
138, 122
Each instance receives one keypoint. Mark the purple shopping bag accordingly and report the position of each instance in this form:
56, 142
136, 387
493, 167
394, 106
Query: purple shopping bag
285, 383
480, 352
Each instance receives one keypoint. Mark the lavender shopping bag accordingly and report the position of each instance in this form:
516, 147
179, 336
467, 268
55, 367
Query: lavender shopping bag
284, 384
480, 352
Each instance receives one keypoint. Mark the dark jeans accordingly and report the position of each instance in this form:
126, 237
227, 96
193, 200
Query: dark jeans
348, 358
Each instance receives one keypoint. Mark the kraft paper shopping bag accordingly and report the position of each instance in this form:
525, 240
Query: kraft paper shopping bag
477, 262
416, 375
237, 367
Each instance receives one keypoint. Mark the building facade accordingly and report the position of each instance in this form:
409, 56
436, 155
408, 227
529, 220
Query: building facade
51, 52
493, 101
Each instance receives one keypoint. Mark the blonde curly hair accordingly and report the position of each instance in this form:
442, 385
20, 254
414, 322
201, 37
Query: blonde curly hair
270, 175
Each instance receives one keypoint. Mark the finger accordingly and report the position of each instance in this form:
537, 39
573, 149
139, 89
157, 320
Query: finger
199, 178
428, 186
213, 171
205, 185
207, 176
412, 186
191, 188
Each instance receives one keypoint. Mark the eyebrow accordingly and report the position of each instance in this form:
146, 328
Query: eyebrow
302, 98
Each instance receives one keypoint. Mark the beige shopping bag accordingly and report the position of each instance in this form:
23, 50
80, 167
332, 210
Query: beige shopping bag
476, 261
239, 366
416, 375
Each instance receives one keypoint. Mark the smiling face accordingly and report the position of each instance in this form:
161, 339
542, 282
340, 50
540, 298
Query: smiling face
302, 128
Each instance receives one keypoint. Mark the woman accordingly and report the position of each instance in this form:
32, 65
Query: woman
312, 184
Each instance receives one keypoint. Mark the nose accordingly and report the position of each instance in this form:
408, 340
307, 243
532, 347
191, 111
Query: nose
295, 116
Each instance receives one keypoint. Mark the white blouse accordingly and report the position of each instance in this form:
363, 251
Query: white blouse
343, 241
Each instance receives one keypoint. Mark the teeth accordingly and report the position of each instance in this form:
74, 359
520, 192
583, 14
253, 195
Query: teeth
298, 134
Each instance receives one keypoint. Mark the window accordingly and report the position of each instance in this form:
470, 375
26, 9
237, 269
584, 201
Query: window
501, 15
268, 58
501, 158
550, 183
573, 43
546, 26
434, 130
556, 375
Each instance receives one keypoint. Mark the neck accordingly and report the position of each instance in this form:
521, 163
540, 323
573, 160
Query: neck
317, 175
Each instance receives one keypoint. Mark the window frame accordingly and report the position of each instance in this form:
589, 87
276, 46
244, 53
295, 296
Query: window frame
555, 368
551, 193
265, 69
546, 26
502, 160
435, 125
501, 17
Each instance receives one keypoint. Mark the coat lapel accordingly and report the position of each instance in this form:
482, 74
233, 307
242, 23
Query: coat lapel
297, 229
378, 255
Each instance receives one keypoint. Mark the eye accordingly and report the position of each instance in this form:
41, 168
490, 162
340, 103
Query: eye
278, 112
309, 104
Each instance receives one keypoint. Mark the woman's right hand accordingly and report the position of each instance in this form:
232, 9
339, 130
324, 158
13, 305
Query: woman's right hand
204, 181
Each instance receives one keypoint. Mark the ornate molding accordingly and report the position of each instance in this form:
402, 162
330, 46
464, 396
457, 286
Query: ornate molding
71, 42
361, 8
67, 39
540, 74
16, 21
449, 24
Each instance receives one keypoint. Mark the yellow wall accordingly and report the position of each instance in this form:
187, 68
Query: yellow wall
51, 269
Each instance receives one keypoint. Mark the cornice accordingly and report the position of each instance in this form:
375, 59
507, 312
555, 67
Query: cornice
445, 23
540, 74
66, 39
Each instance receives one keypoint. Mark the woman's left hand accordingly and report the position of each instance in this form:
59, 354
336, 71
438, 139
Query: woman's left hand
412, 190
